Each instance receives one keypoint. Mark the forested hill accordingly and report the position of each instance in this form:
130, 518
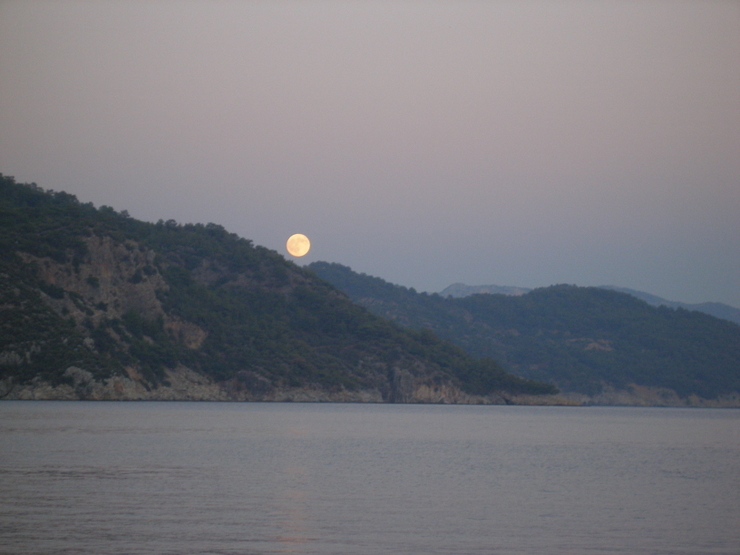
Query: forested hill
583, 339
95, 304
719, 310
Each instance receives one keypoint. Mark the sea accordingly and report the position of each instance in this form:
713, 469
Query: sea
181, 478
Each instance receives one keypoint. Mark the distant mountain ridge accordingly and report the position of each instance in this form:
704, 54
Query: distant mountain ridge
718, 310
608, 346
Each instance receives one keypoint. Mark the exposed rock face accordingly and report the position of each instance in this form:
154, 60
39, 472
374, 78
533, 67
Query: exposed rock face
114, 278
187, 333
185, 385
112, 274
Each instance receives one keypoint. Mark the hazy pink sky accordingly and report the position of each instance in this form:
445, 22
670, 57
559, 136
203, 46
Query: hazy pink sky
426, 142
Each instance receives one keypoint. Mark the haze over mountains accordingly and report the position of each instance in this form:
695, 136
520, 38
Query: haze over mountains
719, 310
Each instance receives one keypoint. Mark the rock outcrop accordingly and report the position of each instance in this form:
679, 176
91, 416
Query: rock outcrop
183, 384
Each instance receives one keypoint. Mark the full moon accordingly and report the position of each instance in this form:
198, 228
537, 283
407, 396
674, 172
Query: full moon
298, 244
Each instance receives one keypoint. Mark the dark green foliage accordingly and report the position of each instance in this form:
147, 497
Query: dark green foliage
54, 291
586, 336
578, 337
264, 322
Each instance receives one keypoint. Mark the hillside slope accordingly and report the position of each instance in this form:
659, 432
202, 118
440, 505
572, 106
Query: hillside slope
97, 305
718, 310
591, 341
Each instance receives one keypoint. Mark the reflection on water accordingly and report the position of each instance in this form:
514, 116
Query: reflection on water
187, 478
292, 515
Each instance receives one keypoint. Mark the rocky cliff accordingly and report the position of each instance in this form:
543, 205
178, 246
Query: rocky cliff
183, 384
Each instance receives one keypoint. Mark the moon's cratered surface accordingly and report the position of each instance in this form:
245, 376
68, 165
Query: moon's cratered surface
298, 244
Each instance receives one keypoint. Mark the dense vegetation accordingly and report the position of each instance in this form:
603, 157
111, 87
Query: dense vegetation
580, 338
260, 321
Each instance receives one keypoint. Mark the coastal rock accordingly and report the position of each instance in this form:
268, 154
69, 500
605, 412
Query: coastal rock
183, 384
643, 396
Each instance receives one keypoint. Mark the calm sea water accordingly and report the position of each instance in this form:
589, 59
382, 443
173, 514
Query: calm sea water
231, 478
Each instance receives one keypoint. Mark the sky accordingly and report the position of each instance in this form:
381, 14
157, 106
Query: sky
522, 143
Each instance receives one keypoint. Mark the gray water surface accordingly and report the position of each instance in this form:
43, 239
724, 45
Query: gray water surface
246, 478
